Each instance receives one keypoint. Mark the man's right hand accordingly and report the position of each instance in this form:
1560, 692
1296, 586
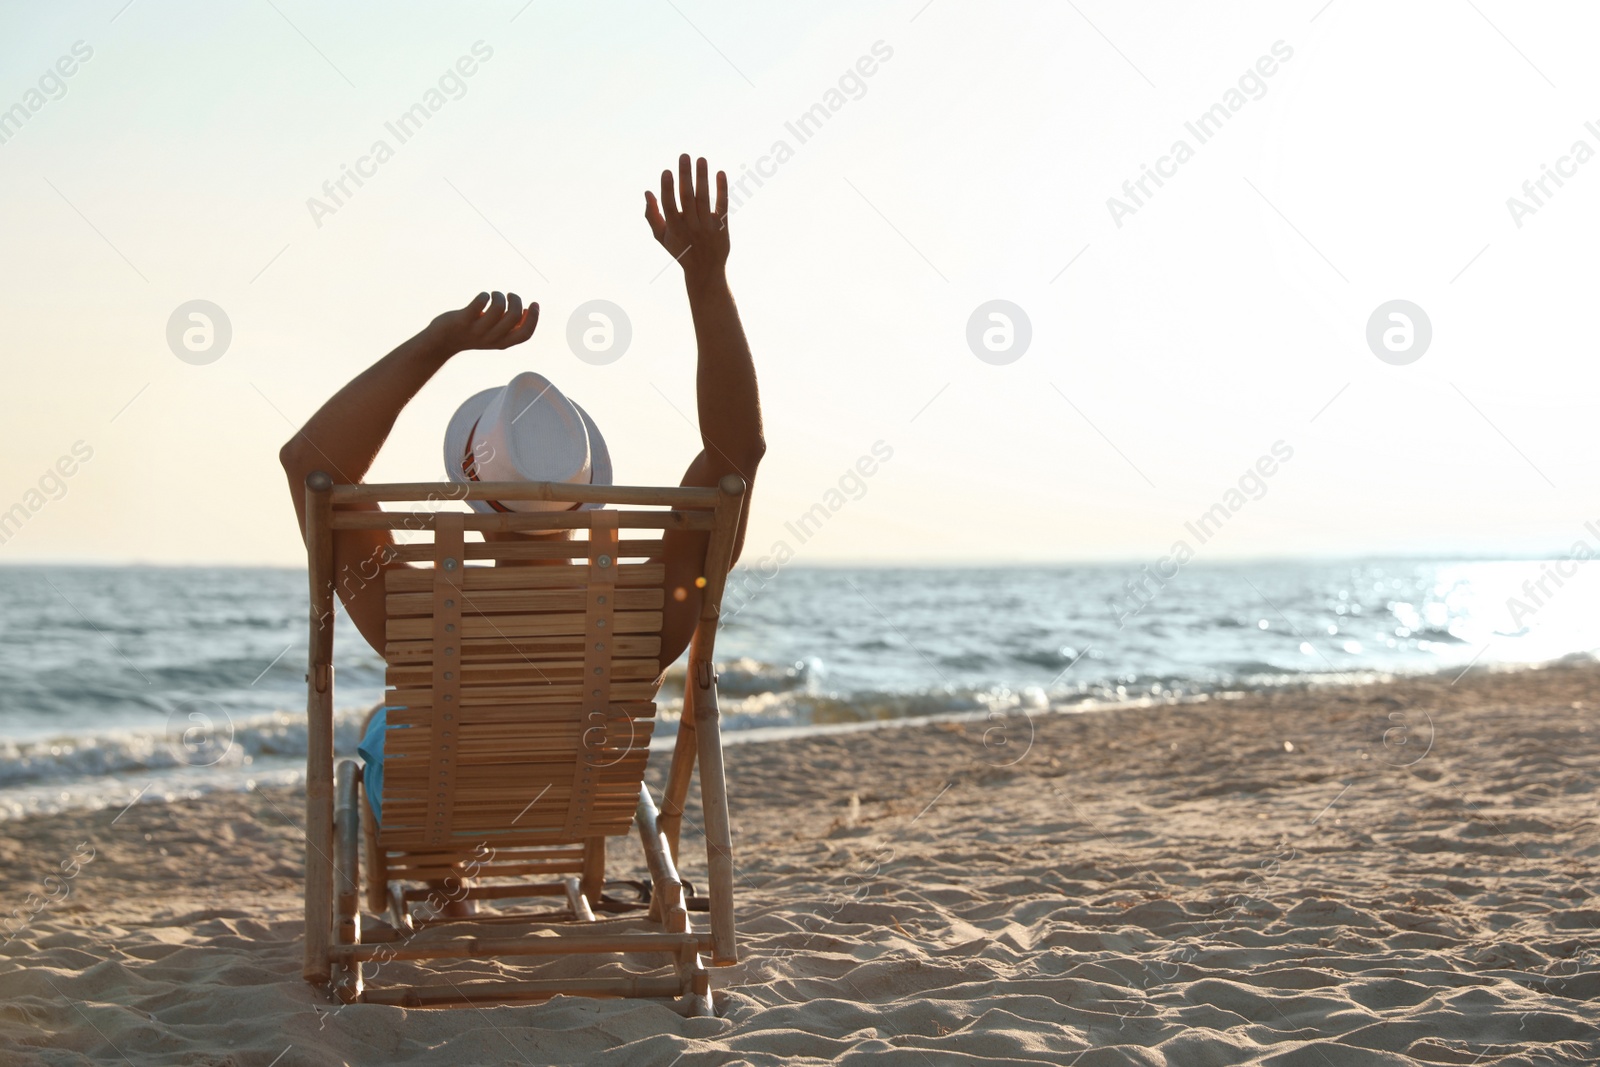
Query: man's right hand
490, 321
695, 234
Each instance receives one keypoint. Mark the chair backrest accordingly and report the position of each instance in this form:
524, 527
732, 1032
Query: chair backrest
521, 697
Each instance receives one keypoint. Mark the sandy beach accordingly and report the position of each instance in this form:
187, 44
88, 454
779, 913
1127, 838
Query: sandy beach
1382, 874
1129, 467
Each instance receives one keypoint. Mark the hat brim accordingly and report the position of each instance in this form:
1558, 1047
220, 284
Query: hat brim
467, 416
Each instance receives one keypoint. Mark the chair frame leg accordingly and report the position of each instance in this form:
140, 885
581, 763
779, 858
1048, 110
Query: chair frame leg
696, 1001
319, 730
593, 882
666, 887
344, 975
377, 867
577, 900
714, 809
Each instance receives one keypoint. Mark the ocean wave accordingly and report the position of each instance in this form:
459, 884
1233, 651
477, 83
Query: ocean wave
966, 661
204, 747
203, 736
1438, 636
1254, 668
197, 739
748, 677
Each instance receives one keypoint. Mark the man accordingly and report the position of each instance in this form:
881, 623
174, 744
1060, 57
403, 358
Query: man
529, 430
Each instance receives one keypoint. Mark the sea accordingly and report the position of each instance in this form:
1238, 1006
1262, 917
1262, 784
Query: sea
140, 684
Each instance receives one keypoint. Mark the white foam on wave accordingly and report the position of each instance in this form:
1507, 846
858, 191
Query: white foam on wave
107, 769
218, 742
759, 702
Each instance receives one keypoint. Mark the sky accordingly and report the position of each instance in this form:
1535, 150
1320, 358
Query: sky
1179, 337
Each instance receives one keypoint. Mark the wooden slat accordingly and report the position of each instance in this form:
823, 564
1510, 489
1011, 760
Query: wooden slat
493, 766
531, 743
522, 891
503, 815
510, 626
522, 775
486, 824
499, 833
490, 825
435, 857
517, 802
552, 669
513, 714
506, 683
409, 836
479, 579
511, 601
520, 784
486, 856
422, 872
504, 792
509, 779
538, 786
377, 492
501, 522
554, 693
630, 548
527, 779
521, 649
562, 944
542, 743
517, 734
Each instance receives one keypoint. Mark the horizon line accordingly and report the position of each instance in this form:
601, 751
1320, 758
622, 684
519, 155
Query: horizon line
907, 564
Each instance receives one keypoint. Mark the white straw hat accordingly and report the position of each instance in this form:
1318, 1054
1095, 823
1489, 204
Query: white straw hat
525, 431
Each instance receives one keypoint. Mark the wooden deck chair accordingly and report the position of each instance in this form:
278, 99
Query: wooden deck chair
525, 697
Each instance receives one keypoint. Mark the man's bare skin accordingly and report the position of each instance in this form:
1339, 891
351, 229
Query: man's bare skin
345, 434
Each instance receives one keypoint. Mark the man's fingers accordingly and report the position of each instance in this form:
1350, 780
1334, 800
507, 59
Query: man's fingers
691, 212
702, 190
525, 328
652, 215
669, 200
491, 314
508, 321
722, 198
476, 305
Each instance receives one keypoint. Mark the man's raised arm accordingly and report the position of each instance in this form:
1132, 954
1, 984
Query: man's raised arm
696, 235
344, 436
731, 442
